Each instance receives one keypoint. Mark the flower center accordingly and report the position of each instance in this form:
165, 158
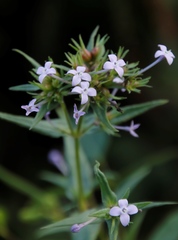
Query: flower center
124, 210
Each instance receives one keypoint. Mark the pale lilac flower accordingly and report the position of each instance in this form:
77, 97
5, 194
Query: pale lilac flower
79, 75
31, 107
77, 114
56, 158
118, 80
166, 53
45, 71
131, 129
124, 211
115, 63
85, 91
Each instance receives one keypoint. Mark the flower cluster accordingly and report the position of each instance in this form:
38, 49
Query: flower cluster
93, 75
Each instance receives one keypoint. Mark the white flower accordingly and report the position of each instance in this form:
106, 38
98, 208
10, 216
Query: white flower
166, 53
115, 64
44, 71
124, 211
118, 80
77, 114
85, 91
79, 75
130, 129
30, 107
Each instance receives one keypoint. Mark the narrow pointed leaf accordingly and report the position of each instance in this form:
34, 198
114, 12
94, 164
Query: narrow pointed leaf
108, 196
56, 129
103, 119
24, 87
30, 59
132, 111
90, 45
113, 228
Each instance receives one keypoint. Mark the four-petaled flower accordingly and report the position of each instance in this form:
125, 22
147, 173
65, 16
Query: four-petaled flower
85, 91
166, 53
79, 75
31, 107
44, 71
130, 129
115, 63
77, 114
124, 211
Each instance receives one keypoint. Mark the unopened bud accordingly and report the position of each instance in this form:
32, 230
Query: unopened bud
75, 228
86, 55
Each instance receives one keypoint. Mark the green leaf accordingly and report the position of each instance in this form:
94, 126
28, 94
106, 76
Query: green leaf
54, 178
66, 224
108, 196
113, 228
90, 45
31, 60
144, 205
21, 185
132, 111
24, 87
103, 119
102, 213
96, 138
159, 204
54, 129
167, 229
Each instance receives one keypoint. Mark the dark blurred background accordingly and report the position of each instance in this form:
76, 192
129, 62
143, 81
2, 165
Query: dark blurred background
43, 28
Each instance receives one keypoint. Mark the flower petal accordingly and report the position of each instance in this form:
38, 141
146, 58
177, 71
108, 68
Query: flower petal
92, 92
118, 80
169, 59
115, 211
120, 71
81, 69
112, 57
41, 77
76, 80
77, 90
84, 85
72, 71
51, 71
40, 70
48, 65
132, 209
108, 66
162, 47
84, 98
125, 219
123, 203
121, 62
158, 53
86, 76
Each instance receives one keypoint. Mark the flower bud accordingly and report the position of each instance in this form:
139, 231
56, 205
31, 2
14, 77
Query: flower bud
95, 51
86, 55
75, 228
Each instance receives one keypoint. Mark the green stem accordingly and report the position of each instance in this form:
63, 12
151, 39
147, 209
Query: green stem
81, 197
75, 135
